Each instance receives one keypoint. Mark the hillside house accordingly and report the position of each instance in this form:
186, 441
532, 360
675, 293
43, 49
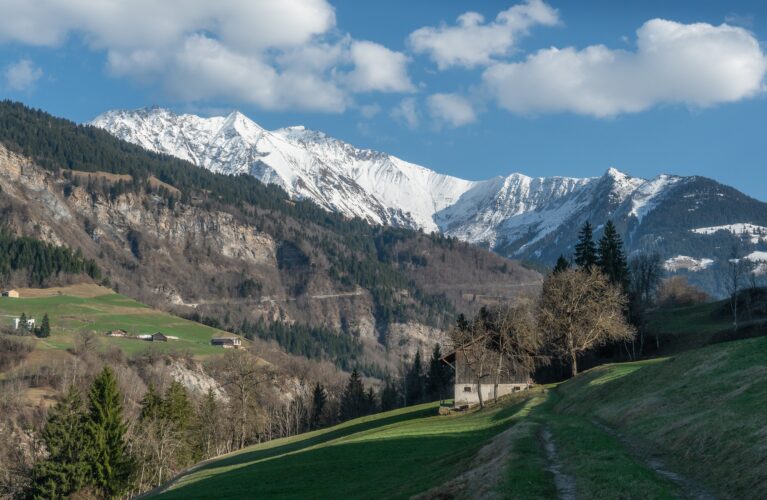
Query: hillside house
13, 294
17, 324
117, 333
227, 342
158, 337
465, 387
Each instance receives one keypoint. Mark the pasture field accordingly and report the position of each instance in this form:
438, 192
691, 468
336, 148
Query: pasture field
691, 425
97, 309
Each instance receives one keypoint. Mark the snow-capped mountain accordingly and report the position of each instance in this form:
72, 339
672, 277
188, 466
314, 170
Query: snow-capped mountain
518, 216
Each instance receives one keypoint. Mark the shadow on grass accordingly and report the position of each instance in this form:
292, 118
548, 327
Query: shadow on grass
391, 466
322, 437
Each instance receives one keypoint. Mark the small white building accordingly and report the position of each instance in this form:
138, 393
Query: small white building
13, 294
466, 389
17, 323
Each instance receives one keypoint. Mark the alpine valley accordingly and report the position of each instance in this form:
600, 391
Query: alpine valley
692, 222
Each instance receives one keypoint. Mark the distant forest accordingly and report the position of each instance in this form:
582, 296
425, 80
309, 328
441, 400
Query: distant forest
40, 261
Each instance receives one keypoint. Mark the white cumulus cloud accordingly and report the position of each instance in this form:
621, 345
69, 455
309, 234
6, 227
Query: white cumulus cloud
378, 68
21, 75
693, 64
473, 42
451, 109
283, 54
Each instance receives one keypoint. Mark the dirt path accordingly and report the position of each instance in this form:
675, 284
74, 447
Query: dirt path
485, 472
639, 451
564, 482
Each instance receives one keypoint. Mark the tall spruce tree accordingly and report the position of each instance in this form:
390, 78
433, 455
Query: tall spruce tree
319, 400
585, 249
611, 259
66, 470
390, 398
111, 466
45, 327
414, 381
353, 400
438, 376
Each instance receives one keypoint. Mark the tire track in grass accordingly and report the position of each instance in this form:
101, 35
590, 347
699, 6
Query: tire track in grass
691, 488
564, 482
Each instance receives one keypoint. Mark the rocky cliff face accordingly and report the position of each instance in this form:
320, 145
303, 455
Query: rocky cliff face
189, 258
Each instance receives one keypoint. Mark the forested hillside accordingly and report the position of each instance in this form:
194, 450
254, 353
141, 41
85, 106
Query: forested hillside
230, 250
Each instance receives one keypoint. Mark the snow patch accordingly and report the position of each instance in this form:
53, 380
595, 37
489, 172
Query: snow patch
688, 263
752, 232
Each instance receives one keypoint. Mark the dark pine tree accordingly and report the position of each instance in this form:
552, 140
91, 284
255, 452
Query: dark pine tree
585, 249
45, 327
371, 405
414, 382
112, 466
66, 470
562, 265
23, 326
390, 398
438, 376
353, 401
611, 259
319, 400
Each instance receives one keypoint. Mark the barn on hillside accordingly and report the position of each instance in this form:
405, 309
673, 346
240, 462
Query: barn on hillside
465, 387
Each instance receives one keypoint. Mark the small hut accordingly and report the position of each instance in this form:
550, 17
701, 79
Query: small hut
159, 337
227, 342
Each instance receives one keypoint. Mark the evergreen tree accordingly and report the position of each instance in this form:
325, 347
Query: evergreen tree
371, 405
438, 376
151, 404
319, 399
389, 396
585, 249
353, 403
112, 466
23, 326
45, 327
66, 469
562, 265
611, 259
414, 382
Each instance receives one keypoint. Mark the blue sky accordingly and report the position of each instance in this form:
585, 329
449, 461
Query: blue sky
554, 88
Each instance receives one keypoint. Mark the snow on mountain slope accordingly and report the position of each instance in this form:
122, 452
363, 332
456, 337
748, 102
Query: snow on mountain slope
517, 213
356, 182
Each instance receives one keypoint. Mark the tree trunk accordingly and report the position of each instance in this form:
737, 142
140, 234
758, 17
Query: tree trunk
497, 376
479, 393
573, 363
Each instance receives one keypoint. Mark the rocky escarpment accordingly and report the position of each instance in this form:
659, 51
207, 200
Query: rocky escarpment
185, 255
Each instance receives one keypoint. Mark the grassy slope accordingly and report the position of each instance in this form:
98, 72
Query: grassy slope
391, 455
701, 412
70, 314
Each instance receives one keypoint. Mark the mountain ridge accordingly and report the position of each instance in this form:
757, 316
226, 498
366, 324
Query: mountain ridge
518, 216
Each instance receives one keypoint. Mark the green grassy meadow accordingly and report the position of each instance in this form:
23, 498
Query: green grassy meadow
70, 315
701, 413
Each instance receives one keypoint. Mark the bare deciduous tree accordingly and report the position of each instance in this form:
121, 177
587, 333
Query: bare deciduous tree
241, 375
470, 339
517, 340
646, 273
738, 269
581, 310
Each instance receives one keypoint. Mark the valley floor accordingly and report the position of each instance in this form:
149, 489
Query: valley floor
691, 426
